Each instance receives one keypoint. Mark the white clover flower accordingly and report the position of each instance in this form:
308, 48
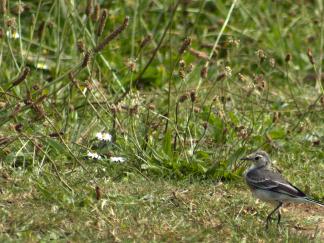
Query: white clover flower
104, 136
117, 159
93, 155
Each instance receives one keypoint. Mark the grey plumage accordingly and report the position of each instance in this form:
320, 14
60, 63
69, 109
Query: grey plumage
269, 185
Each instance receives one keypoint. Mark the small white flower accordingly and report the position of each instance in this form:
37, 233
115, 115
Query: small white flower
43, 66
117, 159
94, 155
13, 35
104, 136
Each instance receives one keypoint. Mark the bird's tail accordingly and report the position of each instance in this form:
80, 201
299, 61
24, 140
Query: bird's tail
314, 201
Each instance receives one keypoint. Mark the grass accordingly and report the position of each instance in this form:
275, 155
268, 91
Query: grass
139, 209
185, 88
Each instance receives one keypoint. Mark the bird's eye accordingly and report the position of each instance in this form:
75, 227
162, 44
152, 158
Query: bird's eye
257, 157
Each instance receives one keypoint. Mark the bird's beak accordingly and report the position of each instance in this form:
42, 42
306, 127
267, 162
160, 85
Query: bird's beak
246, 158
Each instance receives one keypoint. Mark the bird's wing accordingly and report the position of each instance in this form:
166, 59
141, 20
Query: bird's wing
272, 181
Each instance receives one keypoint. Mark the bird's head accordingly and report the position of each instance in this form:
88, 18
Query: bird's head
259, 158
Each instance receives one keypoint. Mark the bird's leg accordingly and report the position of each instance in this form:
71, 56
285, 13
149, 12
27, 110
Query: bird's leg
272, 212
279, 217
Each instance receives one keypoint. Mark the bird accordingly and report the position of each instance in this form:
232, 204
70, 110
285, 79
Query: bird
269, 185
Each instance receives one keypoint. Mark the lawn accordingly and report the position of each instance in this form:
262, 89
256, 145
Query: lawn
126, 120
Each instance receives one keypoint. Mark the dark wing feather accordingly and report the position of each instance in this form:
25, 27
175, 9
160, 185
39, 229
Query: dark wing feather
269, 180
